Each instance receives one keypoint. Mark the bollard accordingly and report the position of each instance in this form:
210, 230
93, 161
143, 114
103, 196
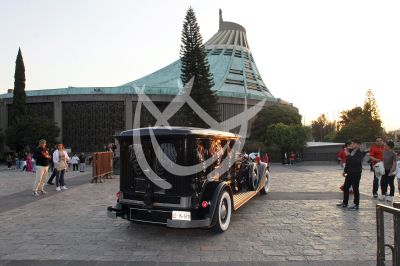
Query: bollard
396, 229
380, 252
380, 233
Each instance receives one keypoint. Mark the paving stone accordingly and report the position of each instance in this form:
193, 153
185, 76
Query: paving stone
297, 223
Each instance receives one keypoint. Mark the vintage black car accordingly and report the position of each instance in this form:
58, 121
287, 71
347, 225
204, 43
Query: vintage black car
185, 177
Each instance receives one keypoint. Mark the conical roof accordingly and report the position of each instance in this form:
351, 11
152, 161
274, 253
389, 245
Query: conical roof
231, 63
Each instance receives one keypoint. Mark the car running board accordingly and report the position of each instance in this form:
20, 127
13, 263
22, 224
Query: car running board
242, 197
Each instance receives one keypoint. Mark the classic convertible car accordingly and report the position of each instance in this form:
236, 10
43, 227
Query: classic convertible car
185, 177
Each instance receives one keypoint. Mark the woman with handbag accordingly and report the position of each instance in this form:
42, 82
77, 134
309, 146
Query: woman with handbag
60, 159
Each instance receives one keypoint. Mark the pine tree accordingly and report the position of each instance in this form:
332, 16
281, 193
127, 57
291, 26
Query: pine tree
371, 107
19, 97
371, 117
195, 64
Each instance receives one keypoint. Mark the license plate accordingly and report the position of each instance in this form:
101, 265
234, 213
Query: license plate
180, 215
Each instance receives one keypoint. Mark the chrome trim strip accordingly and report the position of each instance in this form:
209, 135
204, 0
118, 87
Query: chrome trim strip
149, 210
185, 202
137, 220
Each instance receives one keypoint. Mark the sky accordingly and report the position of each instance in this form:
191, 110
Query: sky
320, 55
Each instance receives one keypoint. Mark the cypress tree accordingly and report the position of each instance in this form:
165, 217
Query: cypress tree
19, 96
24, 131
195, 64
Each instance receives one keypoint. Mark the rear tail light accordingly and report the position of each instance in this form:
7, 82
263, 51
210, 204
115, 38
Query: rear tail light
205, 204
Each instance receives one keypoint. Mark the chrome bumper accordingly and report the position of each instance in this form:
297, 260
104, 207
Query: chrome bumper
113, 213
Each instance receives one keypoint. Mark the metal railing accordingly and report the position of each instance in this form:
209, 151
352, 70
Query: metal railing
102, 165
380, 233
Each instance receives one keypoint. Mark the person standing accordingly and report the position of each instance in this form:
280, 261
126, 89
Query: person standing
389, 161
398, 172
352, 174
343, 159
29, 166
342, 155
74, 162
9, 162
34, 165
17, 162
265, 158
60, 159
292, 157
82, 160
376, 155
42, 157
23, 164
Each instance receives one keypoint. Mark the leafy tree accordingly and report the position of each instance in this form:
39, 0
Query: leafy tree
287, 137
330, 137
322, 129
272, 115
19, 97
27, 131
195, 64
355, 128
346, 117
364, 123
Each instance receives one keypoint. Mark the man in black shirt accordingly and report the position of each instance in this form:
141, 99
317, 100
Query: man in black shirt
42, 158
352, 174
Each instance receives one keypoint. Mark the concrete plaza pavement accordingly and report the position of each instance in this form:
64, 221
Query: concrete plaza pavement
297, 223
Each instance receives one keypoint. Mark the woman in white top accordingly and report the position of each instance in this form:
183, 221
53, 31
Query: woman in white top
75, 161
60, 159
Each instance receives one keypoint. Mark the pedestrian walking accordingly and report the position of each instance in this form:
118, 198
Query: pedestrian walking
52, 168
390, 163
42, 157
60, 159
376, 155
75, 162
82, 160
352, 174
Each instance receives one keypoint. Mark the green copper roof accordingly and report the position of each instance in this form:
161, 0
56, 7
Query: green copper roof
224, 69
